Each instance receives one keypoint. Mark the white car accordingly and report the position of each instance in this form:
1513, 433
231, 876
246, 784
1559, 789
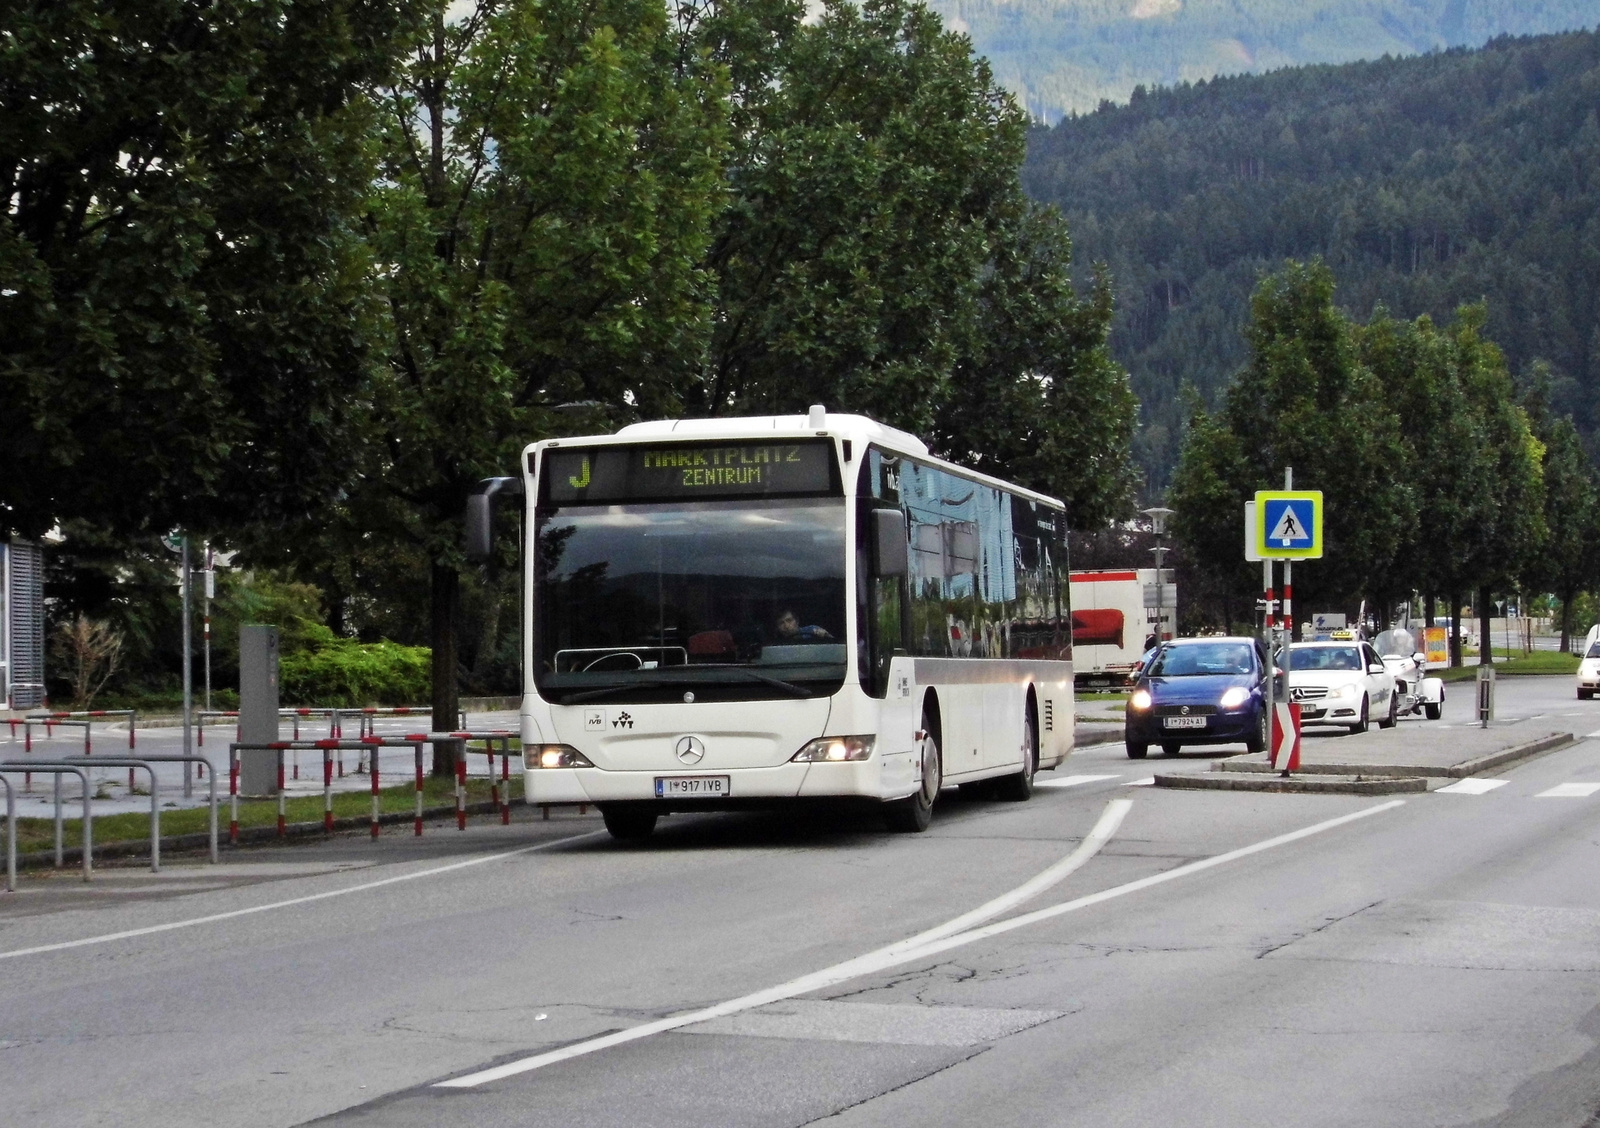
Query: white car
1589, 672
1341, 683
1415, 691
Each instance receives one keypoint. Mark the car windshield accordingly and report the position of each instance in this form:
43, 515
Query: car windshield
723, 599
1324, 658
1203, 658
1395, 643
1594, 651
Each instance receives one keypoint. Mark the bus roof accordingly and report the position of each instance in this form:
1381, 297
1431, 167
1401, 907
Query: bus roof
855, 427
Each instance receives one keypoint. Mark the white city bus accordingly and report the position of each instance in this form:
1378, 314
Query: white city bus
732, 613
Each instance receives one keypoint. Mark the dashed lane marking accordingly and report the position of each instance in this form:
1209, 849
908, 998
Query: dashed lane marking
1569, 791
1072, 781
1473, 786
1147, 781
907, 951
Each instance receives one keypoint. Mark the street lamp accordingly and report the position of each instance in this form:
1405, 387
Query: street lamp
1158, 525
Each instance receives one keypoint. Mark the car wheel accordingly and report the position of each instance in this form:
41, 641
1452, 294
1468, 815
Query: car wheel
1137, 751
1433, 711
1394, 713
1361, 725
1256, 742
1170, 748
914, 814
628, 823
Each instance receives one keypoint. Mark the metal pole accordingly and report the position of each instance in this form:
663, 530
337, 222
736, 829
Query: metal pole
11, 836
1272, 663
188, 675
1288, 575
210, 590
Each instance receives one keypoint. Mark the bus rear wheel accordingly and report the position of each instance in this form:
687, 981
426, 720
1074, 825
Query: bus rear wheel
914, 814
627, 822
1018, 788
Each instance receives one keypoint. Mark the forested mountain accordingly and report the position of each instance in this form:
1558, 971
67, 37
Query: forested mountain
1064, 56
1423, 182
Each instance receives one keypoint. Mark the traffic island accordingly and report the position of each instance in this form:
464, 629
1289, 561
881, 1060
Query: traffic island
1410, 750
1319, 784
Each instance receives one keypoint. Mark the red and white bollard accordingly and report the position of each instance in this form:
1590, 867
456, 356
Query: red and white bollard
327, 790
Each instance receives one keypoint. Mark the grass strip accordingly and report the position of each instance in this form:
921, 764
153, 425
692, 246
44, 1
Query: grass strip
38, 835
1511, 663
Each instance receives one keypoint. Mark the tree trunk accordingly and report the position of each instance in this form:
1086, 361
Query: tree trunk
445, 608
1566, 621
1427, 609
1485, 610
1455, 630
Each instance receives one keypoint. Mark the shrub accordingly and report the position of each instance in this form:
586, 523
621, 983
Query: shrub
329, 670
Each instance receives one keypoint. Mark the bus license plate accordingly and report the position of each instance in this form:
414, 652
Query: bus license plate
1185, 722
697, 787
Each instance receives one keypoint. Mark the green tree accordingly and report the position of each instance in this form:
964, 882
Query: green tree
1567, 563
878, 254
183, 298
1446, 461
550, 171
1037, 398
1305, 401
1508, 531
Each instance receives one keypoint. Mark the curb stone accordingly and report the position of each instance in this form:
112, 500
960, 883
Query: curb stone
1254, 781
1451, 771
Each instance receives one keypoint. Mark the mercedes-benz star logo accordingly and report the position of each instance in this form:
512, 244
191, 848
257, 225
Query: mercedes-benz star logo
690, 750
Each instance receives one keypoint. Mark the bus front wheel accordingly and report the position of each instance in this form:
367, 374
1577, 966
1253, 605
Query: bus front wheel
1018, 788
628, 823
913, 814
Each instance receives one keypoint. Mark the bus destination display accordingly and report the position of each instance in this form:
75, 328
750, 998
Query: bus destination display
721, 470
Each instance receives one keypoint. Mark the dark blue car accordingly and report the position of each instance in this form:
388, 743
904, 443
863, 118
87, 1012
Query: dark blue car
1199, 691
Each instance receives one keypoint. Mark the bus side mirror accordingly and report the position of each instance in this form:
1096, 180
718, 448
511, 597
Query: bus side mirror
479, 539
889, 554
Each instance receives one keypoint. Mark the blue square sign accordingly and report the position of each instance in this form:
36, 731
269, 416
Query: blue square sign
1289, 524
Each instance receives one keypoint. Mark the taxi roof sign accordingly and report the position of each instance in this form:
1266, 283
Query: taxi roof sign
1288, 524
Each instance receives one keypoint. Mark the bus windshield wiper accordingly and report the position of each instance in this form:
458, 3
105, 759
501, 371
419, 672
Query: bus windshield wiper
660, 683
624, 687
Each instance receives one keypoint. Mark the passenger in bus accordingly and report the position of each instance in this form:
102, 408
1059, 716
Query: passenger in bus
790, 630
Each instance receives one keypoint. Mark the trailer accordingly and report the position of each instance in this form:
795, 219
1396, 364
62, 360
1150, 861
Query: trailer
1114, 617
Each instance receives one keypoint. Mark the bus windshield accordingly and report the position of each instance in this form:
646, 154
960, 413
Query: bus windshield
723, 600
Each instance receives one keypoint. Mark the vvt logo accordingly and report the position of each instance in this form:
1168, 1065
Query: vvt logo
622, 720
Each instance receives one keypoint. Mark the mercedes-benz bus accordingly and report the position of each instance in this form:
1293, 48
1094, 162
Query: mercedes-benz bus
735, 613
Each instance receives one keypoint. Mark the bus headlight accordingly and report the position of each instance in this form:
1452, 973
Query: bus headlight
554, 756
835, 749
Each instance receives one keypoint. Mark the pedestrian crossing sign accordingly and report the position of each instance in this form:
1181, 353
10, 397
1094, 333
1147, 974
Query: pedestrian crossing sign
1289, 524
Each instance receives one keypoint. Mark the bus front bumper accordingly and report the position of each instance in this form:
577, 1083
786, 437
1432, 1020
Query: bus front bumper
885, 777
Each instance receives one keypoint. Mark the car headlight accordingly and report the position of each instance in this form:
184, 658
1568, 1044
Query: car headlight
834, 749
1235, 697
1140, 699
554, 756
1347, 690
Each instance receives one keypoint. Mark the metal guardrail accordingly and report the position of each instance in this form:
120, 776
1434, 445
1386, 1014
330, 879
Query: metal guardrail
414, 741
148, 762
11, 835
49, 767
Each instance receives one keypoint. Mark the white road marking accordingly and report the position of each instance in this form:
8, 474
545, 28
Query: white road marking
1072, 781
1473, 786
906, 951
1569, 791
1591, 735
362, 888
1147, 781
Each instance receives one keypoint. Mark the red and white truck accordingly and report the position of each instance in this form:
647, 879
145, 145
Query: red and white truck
1114, 614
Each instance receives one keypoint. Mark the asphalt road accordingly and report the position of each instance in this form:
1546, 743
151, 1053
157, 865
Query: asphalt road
1219, 959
